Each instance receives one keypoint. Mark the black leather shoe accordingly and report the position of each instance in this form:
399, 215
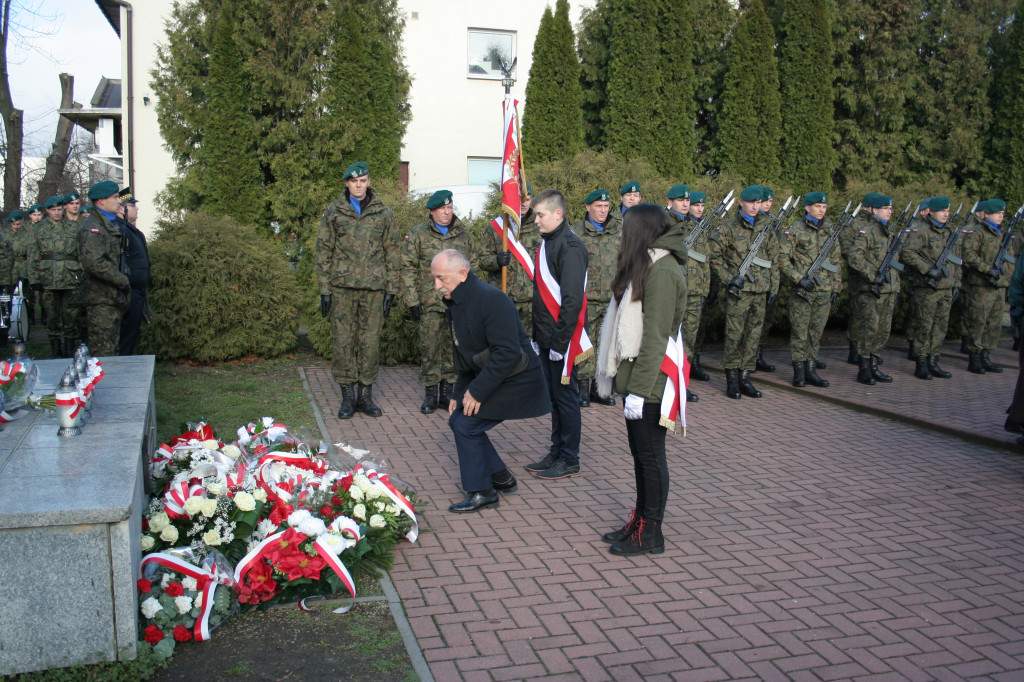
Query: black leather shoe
595, 397
485, 499
430, 399
812, 376
878, 374
799, 374
559, 469
936, 371
542, 465
732, 387
504, 482
614, 536
974, 364
921, 369
818, 364
864, 374
364, 401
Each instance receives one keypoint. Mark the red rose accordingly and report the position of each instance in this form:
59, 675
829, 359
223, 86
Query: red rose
145, 525
174, 589
346, 481
144, 585
182, 633
153, 634
327, 511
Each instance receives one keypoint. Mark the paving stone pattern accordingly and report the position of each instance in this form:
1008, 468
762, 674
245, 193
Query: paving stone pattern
804, 541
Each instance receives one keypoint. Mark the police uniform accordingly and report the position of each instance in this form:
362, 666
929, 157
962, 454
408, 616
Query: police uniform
138, 266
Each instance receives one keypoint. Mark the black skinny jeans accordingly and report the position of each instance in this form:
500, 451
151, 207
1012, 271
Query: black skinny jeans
647, 443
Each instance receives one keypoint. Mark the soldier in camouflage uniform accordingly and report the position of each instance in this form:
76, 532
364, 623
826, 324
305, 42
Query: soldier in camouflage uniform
704, 282
767, 199
985, 285
491, 257
73, 207
20, 235
629, 195
57, 273
35, 213
600, 232
934, 289
695, 271
744, 315
442, 230
811, 299
358, 257
910, 325
871, 314
105, 289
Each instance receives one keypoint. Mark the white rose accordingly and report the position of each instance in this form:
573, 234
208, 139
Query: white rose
209, 508
297, 518
334, 543
231, 451
169, 534
377, 521
362, 482
211, 444
184, 604
190, 584
245, 501
147, 543
381, 506
217, 488
159, 521
355, 493
211, 537
359, 512
260, 494
194, 504
391, 509
150, 608
312, 527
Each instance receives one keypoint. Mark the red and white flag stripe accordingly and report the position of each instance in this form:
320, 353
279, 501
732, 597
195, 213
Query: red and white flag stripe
676, 367
580, 347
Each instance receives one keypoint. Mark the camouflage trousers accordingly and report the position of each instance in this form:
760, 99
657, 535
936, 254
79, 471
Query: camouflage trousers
983, 316
692, 338
437, 362
103, 323
806, 323
744, 317
61, 306
769, 320
595, 318
357, 316
931, 319
525, 310
872, 319
853, 322
910, 323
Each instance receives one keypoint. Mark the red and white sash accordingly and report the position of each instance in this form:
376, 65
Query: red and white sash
676, 367
580, 347
518, 250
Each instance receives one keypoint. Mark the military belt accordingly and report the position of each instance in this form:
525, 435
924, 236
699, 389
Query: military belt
699, 257
831, 268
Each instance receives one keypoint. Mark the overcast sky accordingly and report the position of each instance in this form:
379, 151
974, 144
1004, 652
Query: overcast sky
49, 37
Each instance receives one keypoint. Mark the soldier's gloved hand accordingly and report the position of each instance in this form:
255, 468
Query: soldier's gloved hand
833, 297
504, 258
389, 300
806, 283
771, 300
325, 305
633, 407
416, 311
879, 280
994, 273
37, 287
713, 293
736, 283
935, 273
554, 355
956, 294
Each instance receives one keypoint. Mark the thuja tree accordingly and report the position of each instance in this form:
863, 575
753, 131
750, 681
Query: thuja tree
751, 126
593, 50
553, 119
806, 74
710, 29
1005, 174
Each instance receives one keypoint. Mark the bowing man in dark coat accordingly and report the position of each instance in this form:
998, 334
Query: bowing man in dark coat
499, 376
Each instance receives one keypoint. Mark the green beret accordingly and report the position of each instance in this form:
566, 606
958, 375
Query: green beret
938, 203
751, 193
631, 186
102, 190
356, 170
441, 197
767, 193
529, 189
15, 215
992, 206
815, 198
876, 200
597, 195
35, 207
55, 201
698, 197
868, 198
71, 196
85, 210
679, 192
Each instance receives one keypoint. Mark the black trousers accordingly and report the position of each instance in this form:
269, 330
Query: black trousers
132, 321
647, 443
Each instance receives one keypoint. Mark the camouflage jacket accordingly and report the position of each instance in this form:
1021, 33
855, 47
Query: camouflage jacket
981, 243
53, 255
921, 248
19, 242
698, 272
358, 251
732, 240
519, 284
99, 252
868, 242
6, 259
602, 250
419, 248
801, 244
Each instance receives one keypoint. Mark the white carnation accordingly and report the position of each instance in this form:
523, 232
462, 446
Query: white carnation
183, 604
359, 512
190, 584
334, 543
231, 451
245, 501
297, 518
312, 527
194, 505
265, 528
150, 608
169, 534
198, 601
377, 521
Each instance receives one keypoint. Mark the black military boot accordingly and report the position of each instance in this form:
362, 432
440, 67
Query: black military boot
921, 370
584, 392
812, 376
762, 364
429, 399
974, 363
818, 364
696, 371
747, 388
691, 397
986, 362
799, 374
732, 381
56, 350
445, 395
911, 355
625, 531
936, 371
853, 358
964, 346
364, 401
595, 397
646, 537
864, 373
348, 402
877, 373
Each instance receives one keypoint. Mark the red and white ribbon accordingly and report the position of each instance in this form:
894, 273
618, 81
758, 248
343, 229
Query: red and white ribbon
580, 347
518, 250
206, 580
676, 367
349, 531
177, 495
67, 398
400, 500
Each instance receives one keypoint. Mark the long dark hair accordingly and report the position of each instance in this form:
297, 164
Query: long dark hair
640, 227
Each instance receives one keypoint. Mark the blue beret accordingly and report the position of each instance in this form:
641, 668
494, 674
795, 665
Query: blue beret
597, 195
631, 186
938, 203
356, 170
55, 201
102, 190
698, 197
679, 192
751, 193
815, 198
441, 197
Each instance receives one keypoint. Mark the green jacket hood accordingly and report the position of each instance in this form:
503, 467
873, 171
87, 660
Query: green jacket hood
674, 241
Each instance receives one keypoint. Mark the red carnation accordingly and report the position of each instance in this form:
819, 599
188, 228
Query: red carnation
327, 511
174, 589
144, 585
182, 633
153, 634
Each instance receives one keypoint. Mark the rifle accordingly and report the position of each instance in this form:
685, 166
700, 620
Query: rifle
947, 250
883, 276
771, 228
1002, 256
812, 272
709, 220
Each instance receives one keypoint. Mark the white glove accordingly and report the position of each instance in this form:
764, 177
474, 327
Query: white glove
536, 348
633, 406
554, 355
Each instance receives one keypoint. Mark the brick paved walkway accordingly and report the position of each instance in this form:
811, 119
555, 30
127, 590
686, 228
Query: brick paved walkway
804, 540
